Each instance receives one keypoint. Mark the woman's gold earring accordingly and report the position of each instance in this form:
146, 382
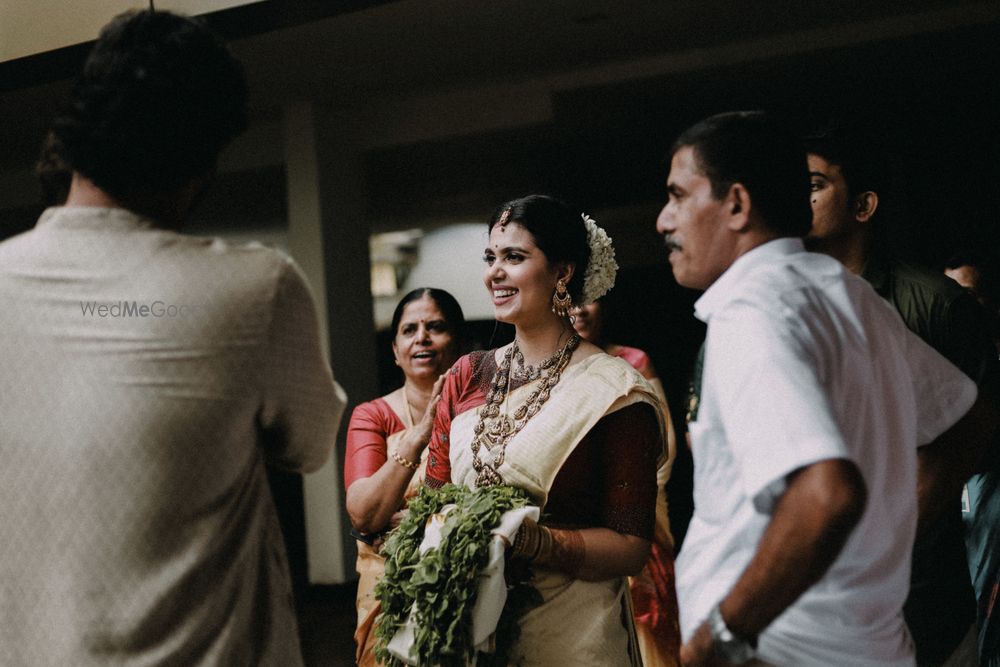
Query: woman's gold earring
561, 301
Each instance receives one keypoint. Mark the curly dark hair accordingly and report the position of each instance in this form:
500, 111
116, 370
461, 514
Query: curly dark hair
54, 175
158, 99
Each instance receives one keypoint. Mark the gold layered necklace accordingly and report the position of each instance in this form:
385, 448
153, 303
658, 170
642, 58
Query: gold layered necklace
494, 430
530, 372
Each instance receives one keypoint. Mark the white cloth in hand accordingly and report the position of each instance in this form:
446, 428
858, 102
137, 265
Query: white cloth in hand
492, 592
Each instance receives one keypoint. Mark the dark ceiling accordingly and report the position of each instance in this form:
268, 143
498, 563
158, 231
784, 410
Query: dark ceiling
925, 73
933, 101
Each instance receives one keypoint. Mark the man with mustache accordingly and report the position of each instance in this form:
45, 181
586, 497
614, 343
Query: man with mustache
804, 447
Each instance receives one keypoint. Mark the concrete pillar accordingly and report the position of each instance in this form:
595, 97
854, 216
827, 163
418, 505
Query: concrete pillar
328, 237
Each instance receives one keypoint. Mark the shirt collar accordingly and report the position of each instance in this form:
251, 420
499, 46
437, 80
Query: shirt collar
92, 217
720, 292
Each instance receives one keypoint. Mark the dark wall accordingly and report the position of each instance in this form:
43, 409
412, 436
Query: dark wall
933, 100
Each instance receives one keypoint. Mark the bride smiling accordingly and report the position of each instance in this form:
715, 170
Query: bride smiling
578, 430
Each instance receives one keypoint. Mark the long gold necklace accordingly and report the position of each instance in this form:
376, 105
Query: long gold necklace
494, 430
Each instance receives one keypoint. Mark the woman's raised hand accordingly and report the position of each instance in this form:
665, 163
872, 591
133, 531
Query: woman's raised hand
422, 429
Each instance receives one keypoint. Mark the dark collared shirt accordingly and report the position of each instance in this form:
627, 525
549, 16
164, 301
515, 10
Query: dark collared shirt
941, 605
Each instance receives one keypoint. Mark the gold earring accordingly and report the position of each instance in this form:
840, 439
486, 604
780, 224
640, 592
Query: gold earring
561, 301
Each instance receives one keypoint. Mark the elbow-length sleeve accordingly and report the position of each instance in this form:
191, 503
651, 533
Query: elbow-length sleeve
367, 433
630, 447
609, 480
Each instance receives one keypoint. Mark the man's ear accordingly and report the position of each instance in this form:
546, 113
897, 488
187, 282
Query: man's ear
737, 203
865, 205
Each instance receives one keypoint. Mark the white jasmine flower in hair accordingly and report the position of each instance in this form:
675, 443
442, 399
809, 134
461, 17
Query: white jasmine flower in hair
599, 277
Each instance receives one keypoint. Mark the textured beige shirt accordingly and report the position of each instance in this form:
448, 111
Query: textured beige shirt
145, 378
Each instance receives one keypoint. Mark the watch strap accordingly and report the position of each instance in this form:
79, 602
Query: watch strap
727, 645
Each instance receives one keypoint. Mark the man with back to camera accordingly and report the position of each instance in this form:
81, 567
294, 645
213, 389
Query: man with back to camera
804, 449
847, 178
148, 376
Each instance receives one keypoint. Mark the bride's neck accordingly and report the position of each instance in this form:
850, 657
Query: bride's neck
540, 342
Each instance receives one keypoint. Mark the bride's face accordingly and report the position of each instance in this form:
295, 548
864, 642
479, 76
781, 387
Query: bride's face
518, 276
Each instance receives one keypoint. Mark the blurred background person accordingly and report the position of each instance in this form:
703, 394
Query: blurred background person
981, 504
387, 437
849, 183
978, 273
653, 597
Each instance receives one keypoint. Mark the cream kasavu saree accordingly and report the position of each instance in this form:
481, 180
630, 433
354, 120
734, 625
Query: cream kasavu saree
579, 622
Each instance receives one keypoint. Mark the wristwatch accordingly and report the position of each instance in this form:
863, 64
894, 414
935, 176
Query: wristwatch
727, 645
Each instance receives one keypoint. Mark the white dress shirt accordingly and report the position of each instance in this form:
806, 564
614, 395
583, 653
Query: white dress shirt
804, 362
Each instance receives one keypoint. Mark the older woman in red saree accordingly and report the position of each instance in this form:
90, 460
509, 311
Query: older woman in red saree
387, 437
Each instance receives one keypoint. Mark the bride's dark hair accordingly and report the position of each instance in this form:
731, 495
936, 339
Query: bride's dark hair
557, 229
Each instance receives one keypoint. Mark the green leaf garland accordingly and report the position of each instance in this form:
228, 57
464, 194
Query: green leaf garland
444, 581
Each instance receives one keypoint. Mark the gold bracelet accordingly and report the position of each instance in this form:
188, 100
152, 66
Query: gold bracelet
518, 548
403, 462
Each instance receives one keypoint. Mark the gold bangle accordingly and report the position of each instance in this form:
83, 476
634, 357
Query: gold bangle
403, 462
531, 541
